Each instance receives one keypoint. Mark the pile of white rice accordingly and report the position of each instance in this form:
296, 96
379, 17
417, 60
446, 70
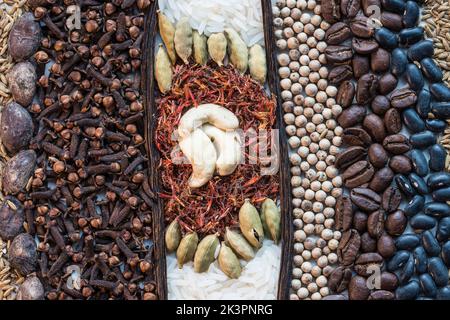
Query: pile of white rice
258, 281
210, 16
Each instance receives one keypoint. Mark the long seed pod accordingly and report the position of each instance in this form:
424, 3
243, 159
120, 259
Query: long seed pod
167, 32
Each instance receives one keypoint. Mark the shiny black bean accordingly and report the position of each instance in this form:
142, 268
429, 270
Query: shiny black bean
443, 229
441, 109
414, 206
441, 194
438, 271
423, 105
410, 36
419, 162
414, 77
427, 284
386, 38
421, 259
430, 244
438, 180
409, 291
404, 185
445, 254
418, 183
436, 125
440, 92
421, 50
407, 241
422, 140
397, 6
437, 157
424, 299
411, 15
422, 222
443, 293
431, 70
437, 209
398, 260
412, 120
399, 61
407, 271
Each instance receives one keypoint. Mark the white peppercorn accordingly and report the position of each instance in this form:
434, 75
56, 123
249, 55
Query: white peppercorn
302, 293
306, 266
296, 171
294, 76
298, 260
278, 34
312, 288
284, 72
283, 59
298, 192
297, 27
286, 95
281, 44
312, 43
309, 29
285, 84
298, 248
297, 273
298, 110
325, 291
296, 284
292, 42
322, 261
296, 13
299, 235
327, 270
288, 22
309, 229
306, 254
291, 130
278, 22
337, 235
294, 141
321, 281
285, 12
332, 258
294, 54
293, 297
301, 4
296, 88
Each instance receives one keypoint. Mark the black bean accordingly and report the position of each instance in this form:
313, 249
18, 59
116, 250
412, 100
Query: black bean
421, 259
409, 291
431, 70
442, 194
436, 125
412, 121
414, 77
446, 253
441, 109
422, 140
440, 92
421, 50
386, 38
410, 36
443, 229
437, 209
399, 61
397, 6
438, 180
430, 244
420, 163
438, 271
398, 260
418, 183
411, 14
427, 284
437, 157
407, 271
422, 222
404, 185
407, 241
414, 206
443, 293
423, 105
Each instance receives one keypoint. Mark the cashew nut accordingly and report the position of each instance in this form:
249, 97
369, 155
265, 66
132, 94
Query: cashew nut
228, 148
214, 114
201, 153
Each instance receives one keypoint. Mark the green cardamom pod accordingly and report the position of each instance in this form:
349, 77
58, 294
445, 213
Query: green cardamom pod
272, 218
200, 50
173, 236
229, 262
186, 249
163, 70
183, 39
238, 50
217, 47
206, 250
167, 32
239, 245
250, 224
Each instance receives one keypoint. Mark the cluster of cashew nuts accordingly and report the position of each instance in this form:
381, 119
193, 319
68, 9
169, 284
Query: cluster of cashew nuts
209, 140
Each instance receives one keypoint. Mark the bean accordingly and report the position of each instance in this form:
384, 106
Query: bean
407, 241
411, 14
414, 77
404, 185
437, 209
407, 271
443, 293
440, 92
422, 140
436, 125
423, 106
431, 70
430, 244
398, 260
427, 284
420, 163
418, 183
421, 50
442, 194
446, 253
386, 38
414, 206
410, 36
443, 229
421, 259
412, 120
441, 109
397, 6
399, 61
438, 271
438, 180
408, 292
422, 222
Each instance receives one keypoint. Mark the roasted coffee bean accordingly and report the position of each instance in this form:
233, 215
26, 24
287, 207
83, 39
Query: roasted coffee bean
365, 199
407, 271
414, 77
368, 244
443, 293
443, 229
391, 21
412, 121
364, 46
440, 92
397, 6
437, 209
407, 241
431, 70
422, 222
360, 221
398, 260
348, 156
338, 33
388, 281
345, 94
409, 291
358, 174
348, 247
380, 105
411, 15
339, 279
423, 106
410, 36
393, 121
375, 224
367, 260
420, 50
440, 110
361, 65
396, 223
361, 27
330, 10
344, 213
399, 61
438, 180
404, 185
357, 289
427, 284
349, 8
386, 246
403, 98
391, 199
414, 206
446, 253
386, 38
381, 180
387, 83
400, 164
381, 295
338, 54
441, 194
438, 271
419, 162
430, 244
339, 74
351, 116
422, 140
378, 157
366, 88
418, 184
436, 125
374, 126
356, 137
421, 259
380, 60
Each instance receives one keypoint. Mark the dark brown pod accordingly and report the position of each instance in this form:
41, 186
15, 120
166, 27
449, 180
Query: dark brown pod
11, 219
387, 83
366, 89
365, 261
361, 65
348, 156
18, 171
388, 281
391, 199
393, 121
22, 254
375, 127
381, 179
349, 247
24, 37
339, 279
375, 224
339, 74
378, 157
337, 33
16, 128
396, 223
382, 295
386, 246
360, 221
356, 137
358, 174
351, 116
345, 94
380, 105
368, 244
344, 213
400, 164
331, 11
22, 83
357, 289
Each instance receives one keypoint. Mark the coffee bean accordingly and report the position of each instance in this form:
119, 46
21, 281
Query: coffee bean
398, 260
437, 209
414, 77
410, 36
397, 6
438, 271
366, 88
399, 61
430, 244
338, 54
381, 295
350, 8
400, 164
360, 221
427, 284
422, 222
388, 281
339, 74
386, 38
420, 50
418, 183
339, 279
331, 11
414, 206
367, 260
391, 199
365, 199
423, 106
380, 60
404, 185
407, 271
437, 157
440, 92
396, 223
446, 253
386, 246
391, 21
403, 98
348, 156
358, 174
411, 15
387, 83
357, 289
375, 224
344, 213
436, 125
345, 94
351, 116
348, 247
378, 157
381, 180
368, 244
409, 291
407, 241
337, 33
413, 121
374, 126
441, 194
393, 121
361, 27
380, 105
438, 180
361, 65
431, 70
443, 229
356, 137
422, 140
364, 46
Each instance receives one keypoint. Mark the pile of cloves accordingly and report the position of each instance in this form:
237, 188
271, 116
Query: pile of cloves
83, 186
